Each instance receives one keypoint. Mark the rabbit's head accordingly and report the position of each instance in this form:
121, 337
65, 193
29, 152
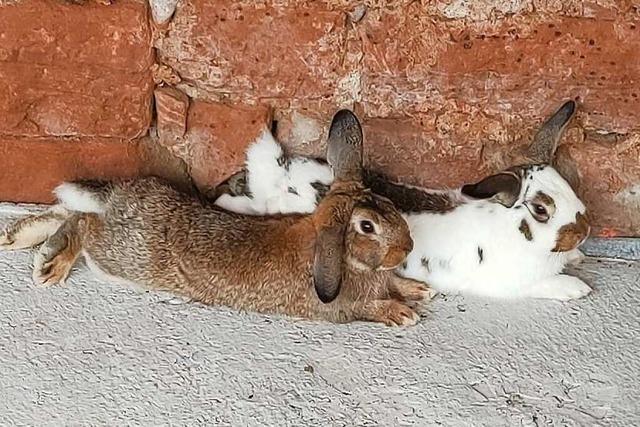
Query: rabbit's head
356, 229
546, 208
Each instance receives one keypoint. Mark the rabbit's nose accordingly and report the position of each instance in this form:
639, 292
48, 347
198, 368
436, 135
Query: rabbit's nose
394, 257
406, 245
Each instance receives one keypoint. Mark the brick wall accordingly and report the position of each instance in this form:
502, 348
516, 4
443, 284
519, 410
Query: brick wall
446, 88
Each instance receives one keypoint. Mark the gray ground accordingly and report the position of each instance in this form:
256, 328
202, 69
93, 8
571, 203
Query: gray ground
98, 354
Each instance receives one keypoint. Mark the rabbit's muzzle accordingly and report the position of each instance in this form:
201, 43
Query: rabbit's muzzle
570, 236
396, 255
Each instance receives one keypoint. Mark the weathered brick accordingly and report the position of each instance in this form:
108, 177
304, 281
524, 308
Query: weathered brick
56, 101
302, 126
70, 69
414, 64
30, 168
521, 65
415, 153
216, 139
610, 183
236, 50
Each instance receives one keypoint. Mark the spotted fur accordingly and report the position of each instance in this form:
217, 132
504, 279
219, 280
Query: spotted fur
525, 230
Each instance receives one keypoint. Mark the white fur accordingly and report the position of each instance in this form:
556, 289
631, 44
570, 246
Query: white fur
75, 198
270, 182
511, 266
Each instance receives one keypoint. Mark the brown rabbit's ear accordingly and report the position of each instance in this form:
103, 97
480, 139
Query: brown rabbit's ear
344, 147
327, 263
503, 187
545, 142
344, 154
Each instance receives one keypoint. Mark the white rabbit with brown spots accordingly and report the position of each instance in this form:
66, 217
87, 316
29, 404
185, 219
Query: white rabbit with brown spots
509, 235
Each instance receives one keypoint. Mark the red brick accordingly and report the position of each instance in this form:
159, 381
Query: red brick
216, 140
59, 33
30, 168
416, 153
414, 64
247, 50
75, 69
302, 126
56, 101
523, 64
610, 175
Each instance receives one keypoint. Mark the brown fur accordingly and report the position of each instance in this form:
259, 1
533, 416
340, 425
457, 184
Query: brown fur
261, 264
410, 199
32, 230
156, 236
571, 235
525, 230
58, 254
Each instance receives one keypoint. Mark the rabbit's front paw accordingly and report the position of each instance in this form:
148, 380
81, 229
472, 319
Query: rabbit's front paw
392, 313
411, 292
561, 287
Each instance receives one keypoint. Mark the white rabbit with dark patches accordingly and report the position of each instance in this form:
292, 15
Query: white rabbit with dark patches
509, 235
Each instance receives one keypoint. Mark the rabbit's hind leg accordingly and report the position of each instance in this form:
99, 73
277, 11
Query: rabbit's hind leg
31, 230
57, 255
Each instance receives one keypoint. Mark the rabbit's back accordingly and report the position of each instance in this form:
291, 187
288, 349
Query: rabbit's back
476, 249
153, 235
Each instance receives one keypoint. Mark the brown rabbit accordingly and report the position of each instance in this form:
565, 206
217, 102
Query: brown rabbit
336, 264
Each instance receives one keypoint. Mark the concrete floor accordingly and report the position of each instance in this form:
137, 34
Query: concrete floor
93, 353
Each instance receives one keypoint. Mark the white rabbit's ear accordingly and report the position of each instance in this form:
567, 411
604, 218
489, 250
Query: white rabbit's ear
503, 187
545, 142
235, 185
344, 147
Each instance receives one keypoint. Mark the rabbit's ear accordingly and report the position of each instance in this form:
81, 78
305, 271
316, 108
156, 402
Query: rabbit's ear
344, 154
545, 142
235, 185
328, 260
344, 147
503, 187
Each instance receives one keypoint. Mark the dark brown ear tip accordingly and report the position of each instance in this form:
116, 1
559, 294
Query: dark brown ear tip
345, 115
467, 189
325, 296
564, 113
345, 121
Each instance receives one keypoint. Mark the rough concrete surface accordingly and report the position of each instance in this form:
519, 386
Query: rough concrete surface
93, 353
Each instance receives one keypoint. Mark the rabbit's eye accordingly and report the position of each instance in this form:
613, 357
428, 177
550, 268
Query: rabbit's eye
540, 212
367, 227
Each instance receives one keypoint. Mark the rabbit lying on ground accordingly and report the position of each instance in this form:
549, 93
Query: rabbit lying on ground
336, 264
509, 235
